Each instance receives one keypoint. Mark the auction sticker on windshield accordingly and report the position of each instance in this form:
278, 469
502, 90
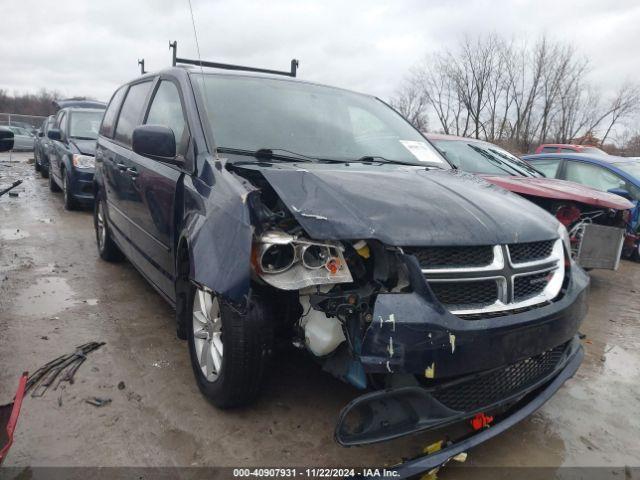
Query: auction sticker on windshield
422, 151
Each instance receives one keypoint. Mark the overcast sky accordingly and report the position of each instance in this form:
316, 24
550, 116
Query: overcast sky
89, 47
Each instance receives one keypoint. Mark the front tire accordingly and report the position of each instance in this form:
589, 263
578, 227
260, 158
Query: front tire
44, 170
69, 201
229, 350
36, 163
53, 186
107, 248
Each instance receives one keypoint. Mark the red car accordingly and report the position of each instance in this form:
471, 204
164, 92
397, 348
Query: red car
595, 220
569, 148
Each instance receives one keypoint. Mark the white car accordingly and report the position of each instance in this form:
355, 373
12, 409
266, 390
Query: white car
23, 138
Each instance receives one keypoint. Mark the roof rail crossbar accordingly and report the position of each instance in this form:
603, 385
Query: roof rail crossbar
227, 66
141, 63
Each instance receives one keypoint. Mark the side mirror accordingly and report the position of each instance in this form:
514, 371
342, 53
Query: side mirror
155, 141
622, 192
41, 133
6, 140
55, 134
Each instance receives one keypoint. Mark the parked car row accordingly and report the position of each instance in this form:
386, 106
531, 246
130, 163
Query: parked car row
65, 150
596, 220
270, 211
606, 173
23, 139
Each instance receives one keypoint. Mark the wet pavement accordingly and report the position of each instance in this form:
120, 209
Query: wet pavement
55, 294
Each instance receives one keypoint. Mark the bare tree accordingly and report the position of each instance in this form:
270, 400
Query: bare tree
410, 100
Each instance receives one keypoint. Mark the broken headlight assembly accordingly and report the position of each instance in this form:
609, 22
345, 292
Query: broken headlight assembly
291, 263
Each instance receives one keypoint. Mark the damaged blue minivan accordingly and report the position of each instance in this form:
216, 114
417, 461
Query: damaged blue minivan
266, 208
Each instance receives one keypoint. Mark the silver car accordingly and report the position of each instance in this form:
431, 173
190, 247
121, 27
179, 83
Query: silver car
23, 138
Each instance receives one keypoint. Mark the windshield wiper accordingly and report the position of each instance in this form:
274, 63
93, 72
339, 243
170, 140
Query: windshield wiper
83, 138
273, 154
268, 153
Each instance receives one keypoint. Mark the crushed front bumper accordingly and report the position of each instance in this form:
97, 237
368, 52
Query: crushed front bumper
519, 411
387, 414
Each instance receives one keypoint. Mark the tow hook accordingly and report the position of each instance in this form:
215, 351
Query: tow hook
480, 421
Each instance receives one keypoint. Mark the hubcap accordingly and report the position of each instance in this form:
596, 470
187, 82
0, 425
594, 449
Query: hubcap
102, 231
64, 188
207, 334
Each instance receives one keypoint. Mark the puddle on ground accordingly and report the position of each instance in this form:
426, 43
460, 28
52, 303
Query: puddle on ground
49, 295
91, 301
12, 234
161, 364
617, 361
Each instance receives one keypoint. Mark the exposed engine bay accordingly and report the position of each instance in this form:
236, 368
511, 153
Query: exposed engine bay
333, 284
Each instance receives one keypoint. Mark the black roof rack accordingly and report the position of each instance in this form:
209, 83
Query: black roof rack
78, 103
227, 66
141, 63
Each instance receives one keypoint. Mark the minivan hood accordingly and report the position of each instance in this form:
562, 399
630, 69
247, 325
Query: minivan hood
403, 205
560, 190
85, 147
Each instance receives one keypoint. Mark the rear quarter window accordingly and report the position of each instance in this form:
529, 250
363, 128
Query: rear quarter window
131, 112
109, 120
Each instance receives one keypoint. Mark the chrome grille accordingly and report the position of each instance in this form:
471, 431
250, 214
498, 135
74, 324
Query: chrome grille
447, 257
513, 278
482, 292
526, 286
530, 252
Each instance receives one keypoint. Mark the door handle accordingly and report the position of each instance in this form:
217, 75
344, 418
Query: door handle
121, 166
132, 172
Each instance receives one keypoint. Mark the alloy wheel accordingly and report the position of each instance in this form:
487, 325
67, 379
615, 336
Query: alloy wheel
207, 334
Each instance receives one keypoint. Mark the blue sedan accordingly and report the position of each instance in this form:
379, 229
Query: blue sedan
619, 175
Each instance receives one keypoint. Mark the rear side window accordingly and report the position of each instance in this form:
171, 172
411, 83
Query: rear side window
131, 112
549, 150
109, 119
593, 176
548, 166
166, 109
568, 150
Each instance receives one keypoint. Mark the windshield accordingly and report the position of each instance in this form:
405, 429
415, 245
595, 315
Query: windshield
253, 113
85, 125
632, 168
484, 158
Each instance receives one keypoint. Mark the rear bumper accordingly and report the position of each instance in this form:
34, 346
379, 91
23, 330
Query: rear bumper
522, 408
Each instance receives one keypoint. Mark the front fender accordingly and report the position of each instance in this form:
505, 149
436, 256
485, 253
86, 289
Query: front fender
218, 230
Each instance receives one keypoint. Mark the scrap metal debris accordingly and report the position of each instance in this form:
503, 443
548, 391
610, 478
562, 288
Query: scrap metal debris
13, 185
97, 401
59, 370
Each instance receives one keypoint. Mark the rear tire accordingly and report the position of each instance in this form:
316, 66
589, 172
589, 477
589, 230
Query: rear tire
107, 248
229, 350
44, 170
